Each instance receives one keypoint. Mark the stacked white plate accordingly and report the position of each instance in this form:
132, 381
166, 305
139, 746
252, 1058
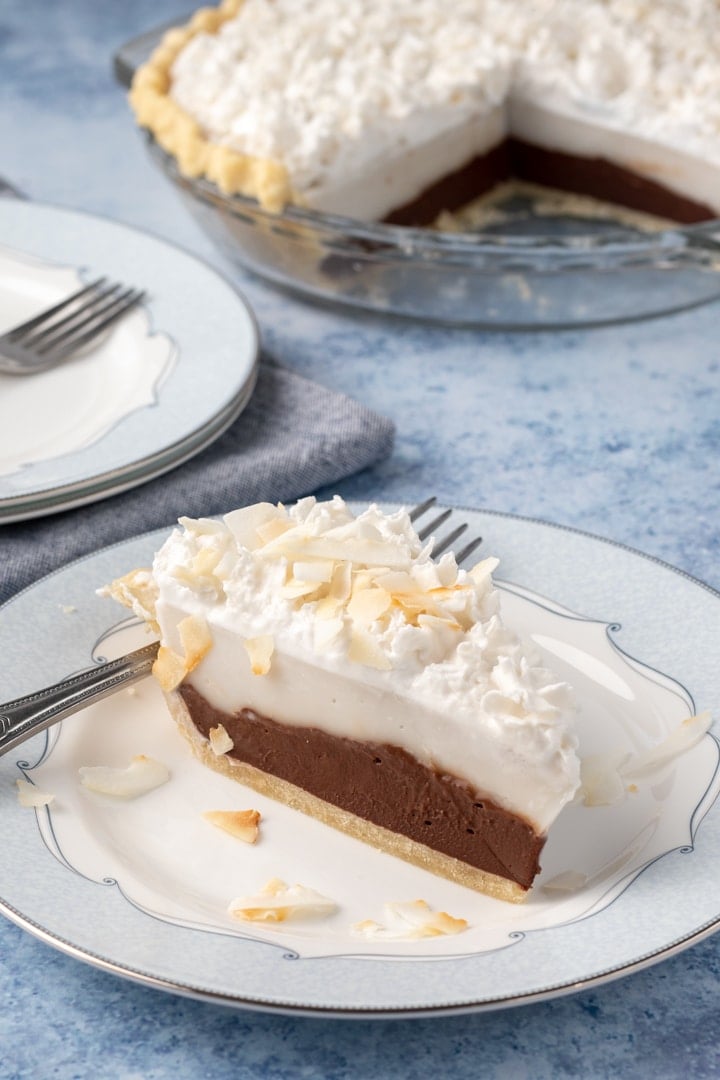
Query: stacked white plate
160, 386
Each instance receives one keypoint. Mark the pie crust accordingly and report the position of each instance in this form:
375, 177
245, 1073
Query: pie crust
182, 137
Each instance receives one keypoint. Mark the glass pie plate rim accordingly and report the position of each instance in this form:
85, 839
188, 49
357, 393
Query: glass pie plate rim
695, 240
459, 279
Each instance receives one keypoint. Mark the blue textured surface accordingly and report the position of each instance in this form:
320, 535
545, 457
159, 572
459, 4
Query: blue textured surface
615, 430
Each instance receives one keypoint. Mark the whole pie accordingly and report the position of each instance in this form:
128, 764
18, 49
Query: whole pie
396, 110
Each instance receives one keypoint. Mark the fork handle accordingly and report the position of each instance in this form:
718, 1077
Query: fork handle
25, 716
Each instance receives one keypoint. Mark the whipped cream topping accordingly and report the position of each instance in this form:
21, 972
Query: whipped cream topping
326, 87
371, 639
320, 86
652, 69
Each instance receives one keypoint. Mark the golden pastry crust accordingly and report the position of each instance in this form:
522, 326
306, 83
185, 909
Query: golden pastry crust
382, 839
182, 137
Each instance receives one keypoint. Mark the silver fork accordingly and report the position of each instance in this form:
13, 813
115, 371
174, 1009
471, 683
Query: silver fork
442, 545
55, 334
26, 716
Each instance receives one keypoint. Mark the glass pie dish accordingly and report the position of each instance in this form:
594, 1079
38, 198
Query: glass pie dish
523, 269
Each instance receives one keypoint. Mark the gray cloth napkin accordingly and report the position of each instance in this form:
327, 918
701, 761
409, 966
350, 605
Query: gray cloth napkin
294, 437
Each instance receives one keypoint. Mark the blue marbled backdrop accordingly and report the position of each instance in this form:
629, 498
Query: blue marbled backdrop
614, 430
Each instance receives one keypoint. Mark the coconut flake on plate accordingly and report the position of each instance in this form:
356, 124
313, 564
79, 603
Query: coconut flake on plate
567, 881
686, 735
29, 795
606, 778
278, 902
243, 824
410, 921
143, 774
601, 783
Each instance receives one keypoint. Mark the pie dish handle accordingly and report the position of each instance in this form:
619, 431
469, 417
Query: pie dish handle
26, 716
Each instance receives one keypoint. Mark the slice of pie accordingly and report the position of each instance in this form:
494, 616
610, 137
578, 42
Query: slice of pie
397, 110
324, 659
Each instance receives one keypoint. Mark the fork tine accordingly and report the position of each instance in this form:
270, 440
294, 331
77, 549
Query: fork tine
467, 551
427, 530
45, 338
444, 542
443, 545
122, 305
419, 510
37, 320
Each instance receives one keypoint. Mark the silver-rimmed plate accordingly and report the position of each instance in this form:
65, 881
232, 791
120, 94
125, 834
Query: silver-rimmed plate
142, 888
159, 387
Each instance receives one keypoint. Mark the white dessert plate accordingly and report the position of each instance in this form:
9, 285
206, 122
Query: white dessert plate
141, 887
157, 388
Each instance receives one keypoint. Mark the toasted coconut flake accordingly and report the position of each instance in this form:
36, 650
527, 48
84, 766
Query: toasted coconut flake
29, 795
482, 570
683, 738
196, 640
604, 777
319, 571
295, 590
278, 902
272, 529
328, 608
368, 604
365, 650
411, 921
281, 543
436, 622
246, 522
397, 582
362, 579
205, 562
447, 569
201, 526
341, 582
243, 824
169, 668
600, 781
359, 552
137, 591
325, 632
260, 650
447, 592
140, 776
187, 576
220, 741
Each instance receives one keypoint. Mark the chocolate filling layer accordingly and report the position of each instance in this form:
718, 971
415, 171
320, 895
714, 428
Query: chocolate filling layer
384, 785
596, 177
458, 189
